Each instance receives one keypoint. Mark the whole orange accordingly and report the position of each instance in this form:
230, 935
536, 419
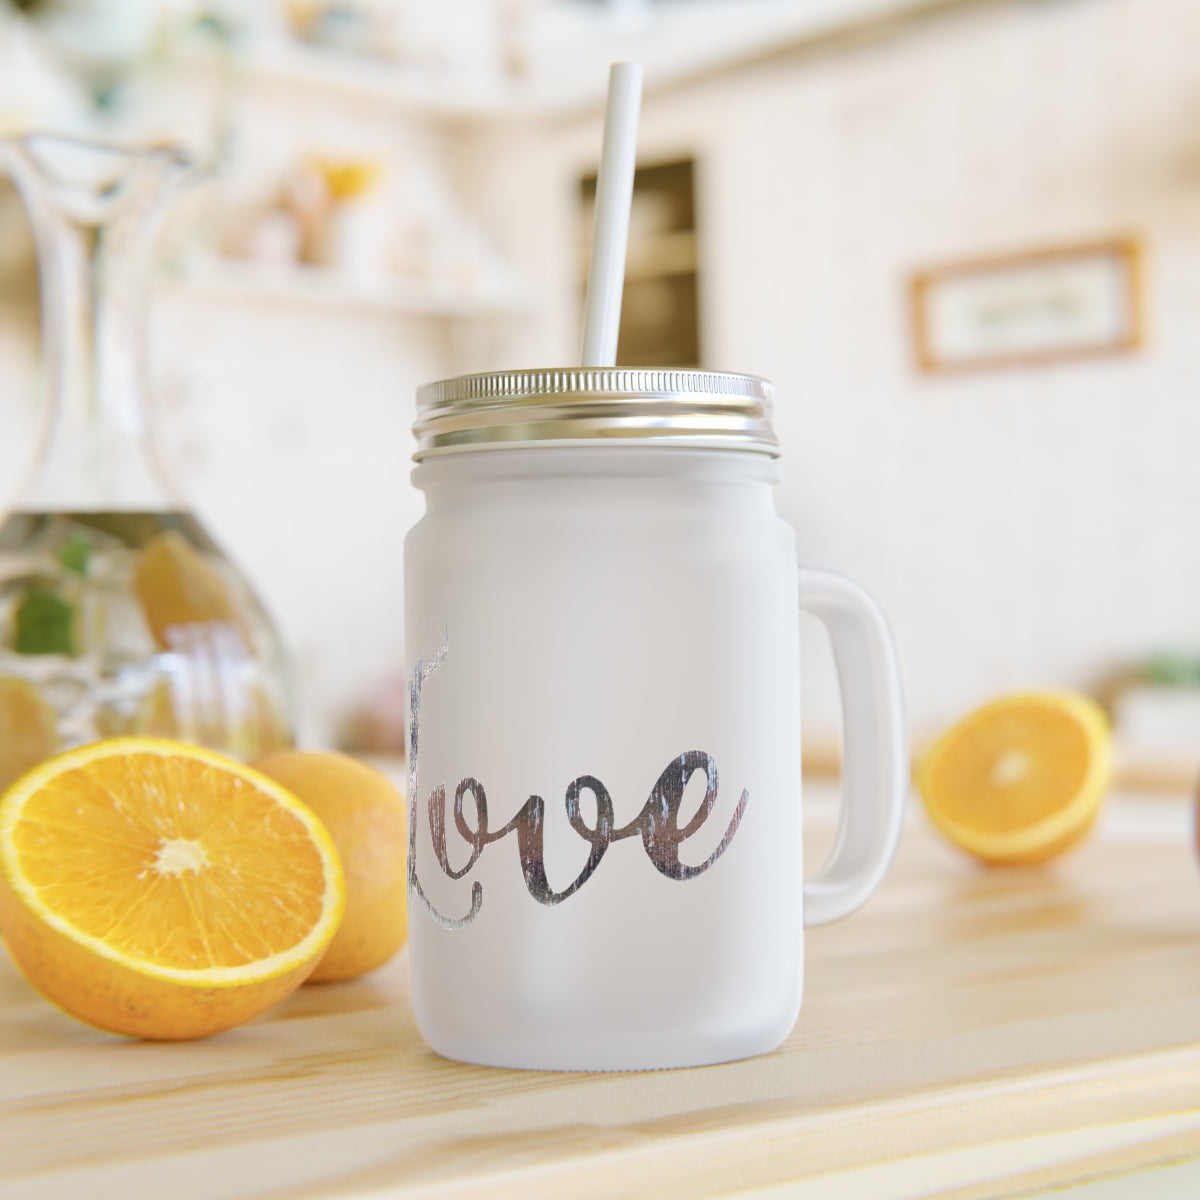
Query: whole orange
366, 818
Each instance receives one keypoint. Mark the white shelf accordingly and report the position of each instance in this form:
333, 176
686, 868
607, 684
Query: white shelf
563, 47
680, 42
317, 287
359, 78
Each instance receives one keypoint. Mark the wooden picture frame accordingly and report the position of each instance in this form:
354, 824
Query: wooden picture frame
1042, 306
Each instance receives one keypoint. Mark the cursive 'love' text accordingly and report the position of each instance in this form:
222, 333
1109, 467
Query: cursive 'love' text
657, 824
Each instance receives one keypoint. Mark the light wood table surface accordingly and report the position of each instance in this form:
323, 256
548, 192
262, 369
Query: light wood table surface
969, 1033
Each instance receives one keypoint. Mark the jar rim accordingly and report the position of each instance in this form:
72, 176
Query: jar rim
590, 405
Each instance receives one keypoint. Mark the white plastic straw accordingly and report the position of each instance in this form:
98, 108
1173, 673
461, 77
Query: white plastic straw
610, 234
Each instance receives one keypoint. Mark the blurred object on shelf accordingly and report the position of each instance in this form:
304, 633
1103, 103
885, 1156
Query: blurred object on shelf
1154, 706
272, 237
1172, 670
306, 198
348, 179
101, 42
361, 29
105, 44
319, 215
350, 215
359, 218
378, 726
1158, 708
450, 40
290, 227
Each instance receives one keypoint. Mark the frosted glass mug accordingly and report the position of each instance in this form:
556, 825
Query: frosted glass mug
604, 725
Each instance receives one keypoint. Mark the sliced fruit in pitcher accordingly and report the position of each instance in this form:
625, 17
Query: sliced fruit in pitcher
178, 587
28, 729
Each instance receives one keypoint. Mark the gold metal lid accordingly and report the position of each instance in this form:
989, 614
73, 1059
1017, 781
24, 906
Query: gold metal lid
573, 405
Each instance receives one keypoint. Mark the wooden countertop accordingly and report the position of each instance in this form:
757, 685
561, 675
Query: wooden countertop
970, 1032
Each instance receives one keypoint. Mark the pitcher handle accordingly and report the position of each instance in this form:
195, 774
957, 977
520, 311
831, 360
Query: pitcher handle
876, 767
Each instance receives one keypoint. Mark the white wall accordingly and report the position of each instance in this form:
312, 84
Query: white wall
1023, 527
1019, 527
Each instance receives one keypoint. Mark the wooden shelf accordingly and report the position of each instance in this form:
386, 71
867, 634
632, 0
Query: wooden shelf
317, 287
654, 257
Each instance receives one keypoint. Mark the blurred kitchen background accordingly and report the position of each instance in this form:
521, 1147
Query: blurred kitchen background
961, 236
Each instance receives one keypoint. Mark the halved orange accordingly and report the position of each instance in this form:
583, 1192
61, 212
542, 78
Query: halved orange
163, 891
1019, 780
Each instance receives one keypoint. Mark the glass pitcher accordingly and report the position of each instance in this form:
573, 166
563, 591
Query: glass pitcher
119, 614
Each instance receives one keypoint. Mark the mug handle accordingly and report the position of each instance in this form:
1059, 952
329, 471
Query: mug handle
875, 769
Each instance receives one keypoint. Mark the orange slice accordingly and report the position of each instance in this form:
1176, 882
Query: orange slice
163, 891
1021, 779
28, 729
177, 586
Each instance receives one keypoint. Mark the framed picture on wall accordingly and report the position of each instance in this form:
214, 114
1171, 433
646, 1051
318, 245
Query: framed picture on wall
1041, 306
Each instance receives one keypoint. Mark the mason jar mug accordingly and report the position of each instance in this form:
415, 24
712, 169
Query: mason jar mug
604, 724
